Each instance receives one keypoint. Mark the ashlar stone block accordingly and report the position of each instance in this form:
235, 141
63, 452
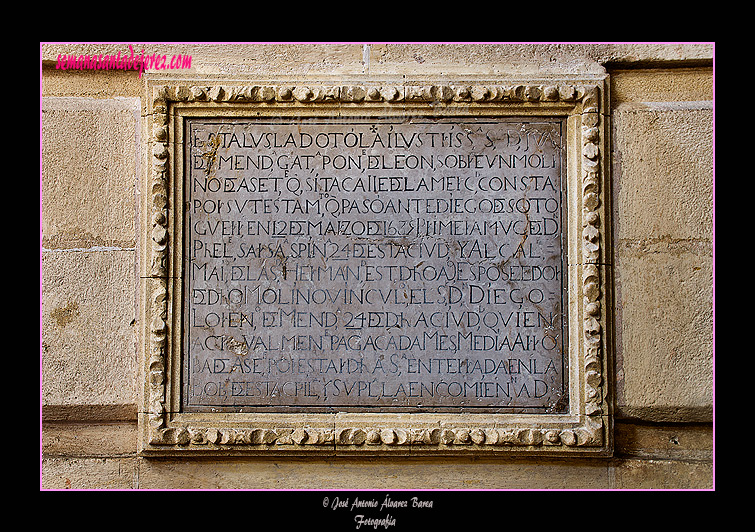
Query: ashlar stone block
88, 318
89, 172
663, 173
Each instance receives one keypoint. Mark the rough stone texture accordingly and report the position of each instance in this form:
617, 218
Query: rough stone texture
88, 341
397, 59
89, 175
664, 276
662, 474
670, 456
89, 172
664, 162
106, 440
665, 373
99, 84
396, 473
83, 473
691, 442
661, 85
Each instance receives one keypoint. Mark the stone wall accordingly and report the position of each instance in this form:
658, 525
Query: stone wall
661, 120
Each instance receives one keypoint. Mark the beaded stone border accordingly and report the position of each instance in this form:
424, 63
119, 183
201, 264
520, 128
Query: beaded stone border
590, 433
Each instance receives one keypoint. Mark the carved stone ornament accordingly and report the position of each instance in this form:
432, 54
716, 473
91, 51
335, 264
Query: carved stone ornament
584, 428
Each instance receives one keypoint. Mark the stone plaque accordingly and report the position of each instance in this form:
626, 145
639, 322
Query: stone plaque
373, 263
391, 268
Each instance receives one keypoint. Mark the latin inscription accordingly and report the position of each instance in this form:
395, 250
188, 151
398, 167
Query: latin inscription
389, 264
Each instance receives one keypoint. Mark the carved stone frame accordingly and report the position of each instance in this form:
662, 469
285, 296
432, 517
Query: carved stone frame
585, 429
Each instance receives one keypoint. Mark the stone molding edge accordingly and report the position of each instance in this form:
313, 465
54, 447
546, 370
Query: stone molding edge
312, 93
591, 433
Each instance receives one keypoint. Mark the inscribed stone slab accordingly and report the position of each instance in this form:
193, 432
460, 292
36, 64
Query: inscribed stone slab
395, 264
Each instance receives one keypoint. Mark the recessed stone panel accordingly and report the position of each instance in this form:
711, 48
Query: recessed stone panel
399, 264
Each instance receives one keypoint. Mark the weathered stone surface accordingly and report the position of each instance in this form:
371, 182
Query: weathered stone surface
399, 473
89, 172
89, 439
88, 340
663, 164
661, 85
397, 59
102, 84
89, 473
405, 263
664, 281
658, 232
669, 441
662, 474
665, 370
